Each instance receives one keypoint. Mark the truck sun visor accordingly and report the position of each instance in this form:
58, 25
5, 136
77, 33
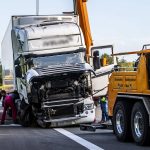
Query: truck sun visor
34, 38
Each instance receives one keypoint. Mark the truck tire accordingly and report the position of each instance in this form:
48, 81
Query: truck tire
140, 124
43, 124
121, 121
25, 118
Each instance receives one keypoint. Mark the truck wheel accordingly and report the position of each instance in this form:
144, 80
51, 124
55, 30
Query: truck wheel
43, 124
121, 121
25, 118
140, 124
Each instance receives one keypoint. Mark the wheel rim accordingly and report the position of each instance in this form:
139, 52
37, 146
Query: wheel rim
138, 124
120, 121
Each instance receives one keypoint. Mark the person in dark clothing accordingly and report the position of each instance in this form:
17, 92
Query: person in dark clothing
9, 101
14, 96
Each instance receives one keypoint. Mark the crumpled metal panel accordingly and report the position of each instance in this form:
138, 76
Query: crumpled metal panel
50, 36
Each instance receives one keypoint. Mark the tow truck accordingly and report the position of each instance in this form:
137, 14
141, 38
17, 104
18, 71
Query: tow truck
128, 97
129, 100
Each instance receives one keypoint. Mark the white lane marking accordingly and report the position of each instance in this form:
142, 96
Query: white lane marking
78, 139
10, 125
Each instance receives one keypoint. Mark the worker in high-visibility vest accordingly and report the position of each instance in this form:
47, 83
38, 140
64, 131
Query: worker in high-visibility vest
103, 102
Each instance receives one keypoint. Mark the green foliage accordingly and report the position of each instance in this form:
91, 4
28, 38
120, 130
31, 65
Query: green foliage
125, 65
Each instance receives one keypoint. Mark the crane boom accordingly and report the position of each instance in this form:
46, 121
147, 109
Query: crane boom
80, 9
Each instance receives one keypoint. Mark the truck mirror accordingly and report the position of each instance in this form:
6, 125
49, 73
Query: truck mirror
96, 60
16, 62
18, 71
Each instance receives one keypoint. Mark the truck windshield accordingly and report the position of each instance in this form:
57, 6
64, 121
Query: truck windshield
47, 61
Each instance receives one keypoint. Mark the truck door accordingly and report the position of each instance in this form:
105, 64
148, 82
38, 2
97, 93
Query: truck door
21, 69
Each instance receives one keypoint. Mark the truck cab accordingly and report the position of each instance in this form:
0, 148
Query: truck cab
50, 70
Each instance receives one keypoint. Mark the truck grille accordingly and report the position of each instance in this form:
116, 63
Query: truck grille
62, 109
60, 69
63, 112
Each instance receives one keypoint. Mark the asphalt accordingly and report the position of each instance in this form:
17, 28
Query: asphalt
20, 138
16, 137
106, 140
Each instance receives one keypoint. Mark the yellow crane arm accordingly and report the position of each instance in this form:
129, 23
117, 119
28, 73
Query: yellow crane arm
134, 52
80, 9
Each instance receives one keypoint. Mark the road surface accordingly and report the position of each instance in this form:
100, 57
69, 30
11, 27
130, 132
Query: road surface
69, 138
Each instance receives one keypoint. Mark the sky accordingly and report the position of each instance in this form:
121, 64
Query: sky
123, 23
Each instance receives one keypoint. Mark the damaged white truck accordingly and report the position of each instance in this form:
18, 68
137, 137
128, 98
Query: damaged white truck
46, 57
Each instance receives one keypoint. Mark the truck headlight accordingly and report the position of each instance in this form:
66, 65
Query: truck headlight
88, 106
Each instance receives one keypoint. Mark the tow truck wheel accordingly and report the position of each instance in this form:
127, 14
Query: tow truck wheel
140, 124
121, 121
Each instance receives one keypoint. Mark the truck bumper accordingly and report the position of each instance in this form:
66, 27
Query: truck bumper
73, 120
